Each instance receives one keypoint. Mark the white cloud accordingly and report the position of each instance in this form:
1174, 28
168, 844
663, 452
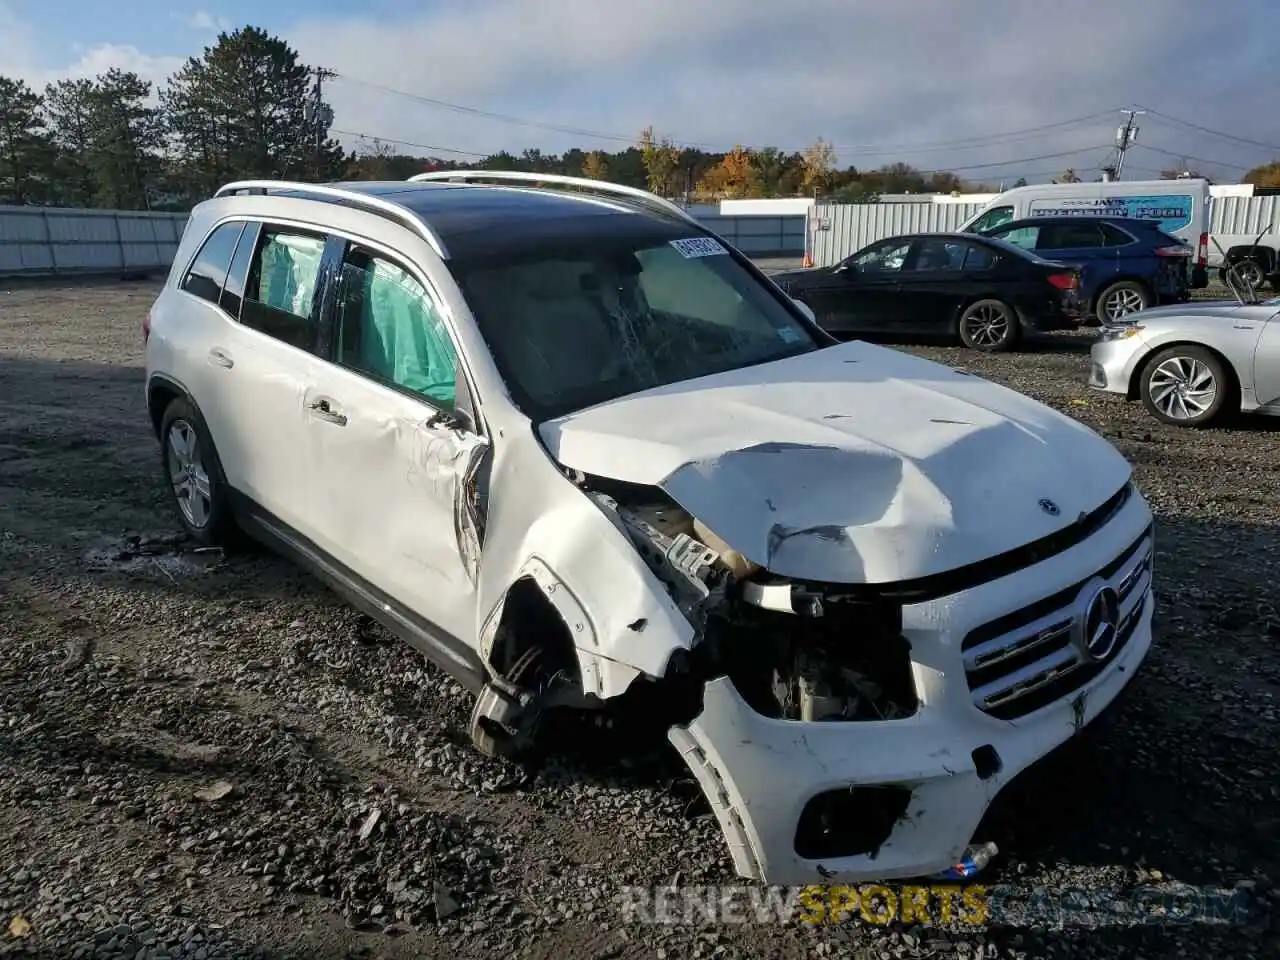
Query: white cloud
883, 80
24, 56
206, 22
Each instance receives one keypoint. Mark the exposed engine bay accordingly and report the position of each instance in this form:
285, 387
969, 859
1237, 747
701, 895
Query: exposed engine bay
794, 651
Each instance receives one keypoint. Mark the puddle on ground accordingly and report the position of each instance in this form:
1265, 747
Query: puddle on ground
171, 554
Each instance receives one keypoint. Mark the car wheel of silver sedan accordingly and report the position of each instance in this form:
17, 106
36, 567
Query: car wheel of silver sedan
1188, 386
1121, 299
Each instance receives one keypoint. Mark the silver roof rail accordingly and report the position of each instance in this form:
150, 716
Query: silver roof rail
599, 187
392, 211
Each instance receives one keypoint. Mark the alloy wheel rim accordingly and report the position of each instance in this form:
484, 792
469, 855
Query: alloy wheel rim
187, 473
987, 326
1182, 388
1122, 303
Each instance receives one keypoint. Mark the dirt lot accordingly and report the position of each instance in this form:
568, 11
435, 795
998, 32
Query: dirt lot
140, 682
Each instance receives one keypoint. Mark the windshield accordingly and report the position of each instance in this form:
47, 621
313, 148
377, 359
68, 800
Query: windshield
581, 322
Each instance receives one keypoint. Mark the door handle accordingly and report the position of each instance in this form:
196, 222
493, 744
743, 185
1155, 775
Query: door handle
221, 358
322, 410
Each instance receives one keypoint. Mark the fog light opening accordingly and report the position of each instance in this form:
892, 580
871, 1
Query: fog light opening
986, 762
849, 823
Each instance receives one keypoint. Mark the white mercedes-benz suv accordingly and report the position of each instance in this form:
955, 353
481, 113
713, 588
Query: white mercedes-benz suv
584, 455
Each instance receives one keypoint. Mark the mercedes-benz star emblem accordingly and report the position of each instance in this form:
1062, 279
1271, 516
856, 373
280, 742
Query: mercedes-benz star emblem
1100, 625
1049, 507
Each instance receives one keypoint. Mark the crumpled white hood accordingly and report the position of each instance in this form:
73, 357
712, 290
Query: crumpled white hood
852, 464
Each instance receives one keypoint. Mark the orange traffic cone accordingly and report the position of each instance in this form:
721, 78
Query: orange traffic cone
807, 261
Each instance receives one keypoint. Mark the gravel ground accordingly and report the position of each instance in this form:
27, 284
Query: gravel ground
215, 758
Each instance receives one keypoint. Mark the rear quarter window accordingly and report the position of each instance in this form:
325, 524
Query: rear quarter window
1113, 236
208, 272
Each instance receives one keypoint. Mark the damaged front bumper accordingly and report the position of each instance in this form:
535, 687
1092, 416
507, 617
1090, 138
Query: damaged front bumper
854, 801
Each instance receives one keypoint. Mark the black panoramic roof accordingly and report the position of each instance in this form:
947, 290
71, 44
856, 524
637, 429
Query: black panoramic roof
477, 219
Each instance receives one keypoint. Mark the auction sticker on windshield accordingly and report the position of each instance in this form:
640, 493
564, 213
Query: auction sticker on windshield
691, 247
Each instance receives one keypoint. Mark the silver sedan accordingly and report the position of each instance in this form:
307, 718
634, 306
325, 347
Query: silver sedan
1194, 363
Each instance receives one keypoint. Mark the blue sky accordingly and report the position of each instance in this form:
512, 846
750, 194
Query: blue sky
956, 84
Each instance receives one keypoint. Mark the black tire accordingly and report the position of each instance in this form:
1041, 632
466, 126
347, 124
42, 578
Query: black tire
1127, 296
212, 526
1252, 271
991, 326
1189, 364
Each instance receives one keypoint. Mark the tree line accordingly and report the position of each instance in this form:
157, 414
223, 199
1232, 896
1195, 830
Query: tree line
248, 108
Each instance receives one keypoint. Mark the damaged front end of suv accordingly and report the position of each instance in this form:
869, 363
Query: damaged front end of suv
855, 639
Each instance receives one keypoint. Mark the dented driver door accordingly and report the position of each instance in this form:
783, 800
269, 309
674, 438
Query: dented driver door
390, 465
389, 496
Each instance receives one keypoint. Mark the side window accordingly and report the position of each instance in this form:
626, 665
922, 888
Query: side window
281, 287
1069, 236
992, 218
1115, 237
233, 289
937, 254
978, 257
886, 258
209, 270
388, 328
1024, 237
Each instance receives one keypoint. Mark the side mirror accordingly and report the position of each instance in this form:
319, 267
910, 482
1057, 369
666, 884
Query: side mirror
805, 309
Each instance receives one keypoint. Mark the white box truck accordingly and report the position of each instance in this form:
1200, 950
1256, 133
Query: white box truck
1181, 207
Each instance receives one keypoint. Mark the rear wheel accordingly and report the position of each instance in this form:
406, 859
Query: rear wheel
1187, 386
193, 474
1121, 299
989, 325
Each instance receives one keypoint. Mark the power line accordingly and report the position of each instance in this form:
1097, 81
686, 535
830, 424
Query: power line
975, 166
1213, 133
964, 143
1187, 156
872, 149
488, 114
1009, 163
474, 153
971, 142
410, 143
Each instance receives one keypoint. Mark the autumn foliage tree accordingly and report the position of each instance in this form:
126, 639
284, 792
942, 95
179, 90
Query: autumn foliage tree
818, 161
731, 178
1267, 175
595, 166
661, 161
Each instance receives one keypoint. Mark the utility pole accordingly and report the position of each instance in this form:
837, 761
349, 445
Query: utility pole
320, 116
1124, 140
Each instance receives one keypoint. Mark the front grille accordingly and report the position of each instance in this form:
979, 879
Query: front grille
1026, 660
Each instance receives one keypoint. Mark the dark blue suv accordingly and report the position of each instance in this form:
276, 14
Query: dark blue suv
1125, 264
